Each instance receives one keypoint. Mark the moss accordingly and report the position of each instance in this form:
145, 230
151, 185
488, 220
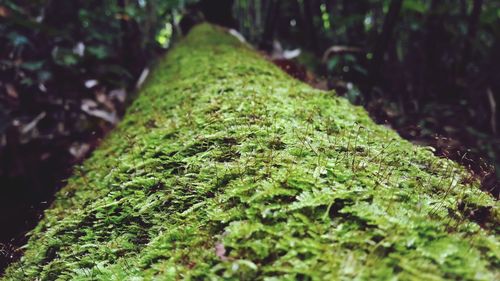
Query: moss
223, 151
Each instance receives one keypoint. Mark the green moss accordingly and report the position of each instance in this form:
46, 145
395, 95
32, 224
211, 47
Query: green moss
223, 150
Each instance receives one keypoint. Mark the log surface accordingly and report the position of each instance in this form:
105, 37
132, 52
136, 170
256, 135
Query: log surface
226, 168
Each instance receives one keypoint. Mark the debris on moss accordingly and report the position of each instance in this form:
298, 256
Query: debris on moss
226, 168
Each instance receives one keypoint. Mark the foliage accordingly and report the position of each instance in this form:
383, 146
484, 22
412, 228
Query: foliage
67, 68
57, 54
438, 54
41, 35
226, 168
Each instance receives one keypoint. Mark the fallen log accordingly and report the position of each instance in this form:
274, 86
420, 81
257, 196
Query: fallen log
226, 168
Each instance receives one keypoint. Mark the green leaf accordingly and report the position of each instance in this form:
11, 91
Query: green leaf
64, 57
27, 81
44, 76
100, 52
333, 63
415, 6
313, 199
32, 65
17, 39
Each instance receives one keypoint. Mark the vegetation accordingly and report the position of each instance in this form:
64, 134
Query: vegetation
225, 167
66, 68
427, 67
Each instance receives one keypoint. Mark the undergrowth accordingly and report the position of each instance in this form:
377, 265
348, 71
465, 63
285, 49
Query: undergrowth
226, 168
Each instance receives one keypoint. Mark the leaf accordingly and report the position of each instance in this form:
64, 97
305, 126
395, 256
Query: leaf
415, 6
313, 199
490, 16
27, 81
4, 12
100, 52
32, 65
441, 249
11, 91
220, 251
118, 94
360, 69
17, 39
333, 63
89, 107
44, 76
64, 57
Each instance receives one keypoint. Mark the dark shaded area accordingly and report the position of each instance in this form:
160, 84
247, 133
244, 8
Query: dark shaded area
220, 13
205, 10
27, 190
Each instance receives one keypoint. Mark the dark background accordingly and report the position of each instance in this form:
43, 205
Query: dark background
68, 68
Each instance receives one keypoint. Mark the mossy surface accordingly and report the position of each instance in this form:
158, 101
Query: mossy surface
226, 168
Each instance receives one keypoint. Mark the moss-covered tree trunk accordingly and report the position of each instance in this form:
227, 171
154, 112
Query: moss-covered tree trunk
225, 167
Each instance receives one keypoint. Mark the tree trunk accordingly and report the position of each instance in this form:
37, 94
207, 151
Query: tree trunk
311, 11
227, 168
272, 10
356, 30
471, 31
383, 41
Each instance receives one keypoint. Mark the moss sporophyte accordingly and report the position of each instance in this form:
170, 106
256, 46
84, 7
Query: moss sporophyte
226, 168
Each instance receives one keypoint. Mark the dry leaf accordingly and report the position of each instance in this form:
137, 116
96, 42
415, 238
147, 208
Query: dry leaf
220, 251
11, 91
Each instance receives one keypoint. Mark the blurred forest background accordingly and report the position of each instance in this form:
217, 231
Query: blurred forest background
68, 68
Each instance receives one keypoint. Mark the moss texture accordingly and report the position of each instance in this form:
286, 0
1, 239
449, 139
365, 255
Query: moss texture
226, 168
